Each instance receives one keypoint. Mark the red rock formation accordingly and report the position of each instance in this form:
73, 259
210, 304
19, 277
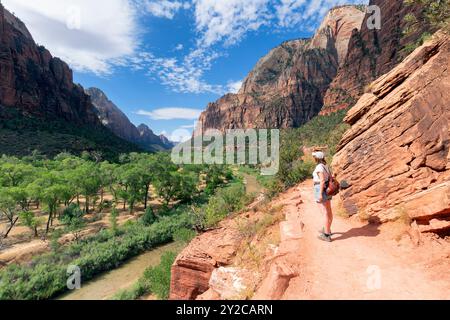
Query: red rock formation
34, 81
192, 269
286, 87
395, 157
371, 53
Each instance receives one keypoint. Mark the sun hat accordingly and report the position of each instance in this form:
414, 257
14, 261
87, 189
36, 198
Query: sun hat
319, 155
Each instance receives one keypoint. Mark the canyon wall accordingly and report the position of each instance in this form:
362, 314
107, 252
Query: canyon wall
286, 87
372, 53
34, 82
395, 158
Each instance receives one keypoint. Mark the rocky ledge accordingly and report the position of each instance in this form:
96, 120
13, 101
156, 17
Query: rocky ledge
395, 157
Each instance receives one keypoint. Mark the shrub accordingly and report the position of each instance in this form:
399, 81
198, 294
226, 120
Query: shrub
149, 217
155, 280
113, 220
223, 203
159, 277
184, 235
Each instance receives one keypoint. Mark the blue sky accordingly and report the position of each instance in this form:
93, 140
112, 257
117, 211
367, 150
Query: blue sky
162, 61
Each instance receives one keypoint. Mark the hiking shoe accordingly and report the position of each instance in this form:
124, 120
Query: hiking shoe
325, 237
322, 231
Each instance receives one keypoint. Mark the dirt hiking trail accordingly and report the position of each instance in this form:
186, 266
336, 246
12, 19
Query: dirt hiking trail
364, 261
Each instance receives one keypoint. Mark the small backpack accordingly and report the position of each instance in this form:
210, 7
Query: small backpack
333, 186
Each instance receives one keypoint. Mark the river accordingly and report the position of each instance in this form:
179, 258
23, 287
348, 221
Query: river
106, 285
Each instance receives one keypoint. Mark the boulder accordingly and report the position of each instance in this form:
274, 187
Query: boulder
192, 270
231, 283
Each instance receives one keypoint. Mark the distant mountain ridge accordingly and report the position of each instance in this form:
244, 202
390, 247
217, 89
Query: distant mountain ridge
113, 118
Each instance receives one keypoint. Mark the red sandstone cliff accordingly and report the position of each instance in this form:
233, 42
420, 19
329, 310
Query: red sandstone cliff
396, 156
33, 81
286, 87
371, 53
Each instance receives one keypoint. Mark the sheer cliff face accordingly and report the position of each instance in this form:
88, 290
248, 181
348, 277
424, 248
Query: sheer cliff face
36, 83
395, 158
113, 118
286, 87
371, 53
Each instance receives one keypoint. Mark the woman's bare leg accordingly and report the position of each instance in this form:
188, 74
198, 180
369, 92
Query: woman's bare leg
323, 212
328, 217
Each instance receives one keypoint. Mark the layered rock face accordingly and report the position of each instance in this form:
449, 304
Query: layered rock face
193, 268
286, 87
114, 119
396, 155
371, 53
36, 83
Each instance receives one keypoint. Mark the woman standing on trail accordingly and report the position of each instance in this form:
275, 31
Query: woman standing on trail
321, 177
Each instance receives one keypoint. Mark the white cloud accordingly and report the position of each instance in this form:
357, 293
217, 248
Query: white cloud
189, 126
180, 135
308, 13
186, 75
171, 114
97, 36
164, 8
234, 86
287, 13
81, 32
228, 21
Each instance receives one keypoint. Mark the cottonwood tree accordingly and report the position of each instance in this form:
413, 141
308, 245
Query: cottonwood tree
130, 182
73, 219
50, 189
9, 209
28, 219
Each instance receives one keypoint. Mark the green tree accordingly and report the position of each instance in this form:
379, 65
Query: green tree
109, 178
435, 13
9, 209
49, 189
130, 185
148, 166
113, 220
29, 220
86, 179
73, 219
13, 172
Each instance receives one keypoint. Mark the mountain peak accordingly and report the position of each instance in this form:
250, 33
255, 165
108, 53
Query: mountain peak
286, 87
336, 29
